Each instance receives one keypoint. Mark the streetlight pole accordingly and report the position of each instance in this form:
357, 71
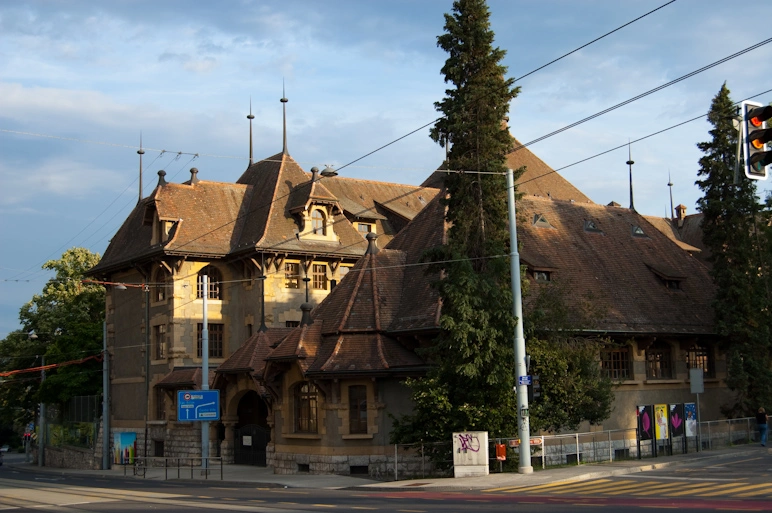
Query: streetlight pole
205, 369
146, 289
517, 310
105, 400
42, 423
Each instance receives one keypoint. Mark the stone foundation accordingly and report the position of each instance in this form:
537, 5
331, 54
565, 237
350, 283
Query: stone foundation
378, 466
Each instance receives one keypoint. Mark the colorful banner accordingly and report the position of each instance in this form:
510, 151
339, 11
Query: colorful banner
645, 422
677, 420
124, 448
690, 412
660, 416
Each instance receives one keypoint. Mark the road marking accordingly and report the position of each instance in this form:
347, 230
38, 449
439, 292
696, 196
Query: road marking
541, 487
757, 492
741, 489
363, 507
721, 465
698, 489
657, 489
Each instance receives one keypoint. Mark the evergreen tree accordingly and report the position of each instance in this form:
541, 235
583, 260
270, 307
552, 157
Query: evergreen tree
470, 385
729, 228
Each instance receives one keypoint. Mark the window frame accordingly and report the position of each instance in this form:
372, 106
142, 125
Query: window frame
319, 276
159, 342
161, 280
216, 339
291, 280
659, 361
357, 409
615, 362
215, 278
306, 407
701, 356
318, 222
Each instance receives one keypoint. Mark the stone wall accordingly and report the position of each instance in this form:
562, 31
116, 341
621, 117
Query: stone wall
379, 466
72, 457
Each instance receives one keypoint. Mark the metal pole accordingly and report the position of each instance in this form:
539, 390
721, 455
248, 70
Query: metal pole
205, 370
105, 400
699, 426
147, 361
42, 423
517, 310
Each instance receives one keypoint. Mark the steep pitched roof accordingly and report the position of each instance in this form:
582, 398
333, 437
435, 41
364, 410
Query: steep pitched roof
538, 179
184, 377
250, 357
622, 260
271, 226
198, 228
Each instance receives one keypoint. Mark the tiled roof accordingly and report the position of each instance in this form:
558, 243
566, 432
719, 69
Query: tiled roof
538, 179
216, 220
618, 268
669, 228
184, 377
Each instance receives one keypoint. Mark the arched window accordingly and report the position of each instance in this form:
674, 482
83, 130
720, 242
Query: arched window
318, 225
162, 281
215, 283
305, 396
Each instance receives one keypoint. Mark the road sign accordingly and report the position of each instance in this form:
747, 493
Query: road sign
524, 380
195, 405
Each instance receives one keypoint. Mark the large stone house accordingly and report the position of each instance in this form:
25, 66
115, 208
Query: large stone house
310, 365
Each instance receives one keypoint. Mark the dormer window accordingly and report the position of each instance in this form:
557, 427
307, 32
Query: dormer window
668, 277
539, 221
365, 228
637, 231
542, 276
318, 222
591, 227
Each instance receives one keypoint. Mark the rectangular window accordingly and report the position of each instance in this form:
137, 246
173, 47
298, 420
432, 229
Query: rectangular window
291, 324
357, 409
699, 356
364, 228
160, 404
658, 362
319, 275
216, 332
159, 341
291, 275
615, 363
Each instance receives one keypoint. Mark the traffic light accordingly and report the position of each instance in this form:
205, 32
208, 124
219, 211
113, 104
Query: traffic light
757, 156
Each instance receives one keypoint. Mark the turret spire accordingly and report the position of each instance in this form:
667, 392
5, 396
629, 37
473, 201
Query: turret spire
250, 117
140, 152
630, 166
284, 101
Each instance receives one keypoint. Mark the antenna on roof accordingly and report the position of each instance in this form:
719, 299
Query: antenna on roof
284, 101
141, 152
250, 117
630, 166
670, 184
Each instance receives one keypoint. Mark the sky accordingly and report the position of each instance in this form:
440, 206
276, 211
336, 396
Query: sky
82, 81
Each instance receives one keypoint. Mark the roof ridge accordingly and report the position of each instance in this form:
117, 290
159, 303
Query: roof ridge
383, 183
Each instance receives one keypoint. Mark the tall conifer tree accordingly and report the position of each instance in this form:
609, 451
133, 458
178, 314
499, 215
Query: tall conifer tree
470, 386
729, 228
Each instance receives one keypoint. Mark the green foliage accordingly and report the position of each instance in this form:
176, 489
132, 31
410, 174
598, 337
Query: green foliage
739, 256
470, 385
574, 388
66, 318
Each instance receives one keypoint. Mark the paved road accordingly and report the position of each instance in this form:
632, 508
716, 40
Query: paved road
740, 483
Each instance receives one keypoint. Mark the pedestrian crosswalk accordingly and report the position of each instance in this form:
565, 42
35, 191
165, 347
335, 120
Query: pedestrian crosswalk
652, 488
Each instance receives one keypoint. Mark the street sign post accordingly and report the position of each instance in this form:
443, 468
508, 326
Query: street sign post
193, 405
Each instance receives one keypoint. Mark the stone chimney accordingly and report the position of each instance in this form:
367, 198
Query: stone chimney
680, 214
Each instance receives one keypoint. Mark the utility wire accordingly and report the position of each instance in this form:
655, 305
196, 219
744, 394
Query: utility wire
593, 41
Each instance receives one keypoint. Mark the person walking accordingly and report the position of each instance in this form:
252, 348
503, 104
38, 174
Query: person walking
761, 422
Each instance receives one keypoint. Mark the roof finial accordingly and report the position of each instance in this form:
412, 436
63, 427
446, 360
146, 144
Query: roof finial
250, 117
630, 165
141, 152
262, 279
284, 101
670, 184
372, 246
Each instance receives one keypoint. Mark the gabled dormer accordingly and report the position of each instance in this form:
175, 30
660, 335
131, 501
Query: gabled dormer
314, 208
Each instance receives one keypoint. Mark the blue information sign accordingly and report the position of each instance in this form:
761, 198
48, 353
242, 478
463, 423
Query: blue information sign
198, 405
524, 380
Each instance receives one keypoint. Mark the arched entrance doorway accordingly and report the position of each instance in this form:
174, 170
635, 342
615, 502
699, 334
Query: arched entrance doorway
252, 431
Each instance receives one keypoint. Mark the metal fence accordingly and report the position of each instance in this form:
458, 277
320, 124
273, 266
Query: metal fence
436, 459
174, 468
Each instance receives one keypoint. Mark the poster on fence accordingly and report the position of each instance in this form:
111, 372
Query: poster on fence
660, 414
676, 420
690, 412
645, 422
124, 448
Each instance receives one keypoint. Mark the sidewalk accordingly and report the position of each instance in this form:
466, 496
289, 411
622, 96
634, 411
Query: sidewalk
264, 477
